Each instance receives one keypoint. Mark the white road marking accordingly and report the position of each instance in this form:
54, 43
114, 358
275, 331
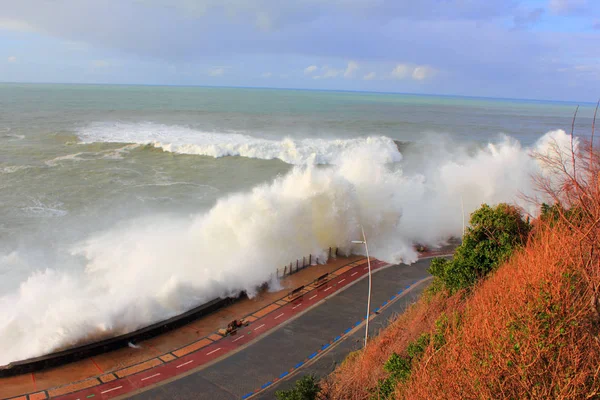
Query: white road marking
214, 351
258, 327
327, 289
342, 280
238, 338
354, 273
296, 306
110, 390
280, 315
150, 377
310, 298
185, 363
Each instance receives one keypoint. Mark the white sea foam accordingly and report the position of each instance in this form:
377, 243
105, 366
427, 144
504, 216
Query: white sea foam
11, 169
111, 154
146, 270
183, 140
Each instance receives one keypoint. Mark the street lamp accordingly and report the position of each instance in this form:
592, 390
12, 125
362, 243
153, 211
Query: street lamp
364, 241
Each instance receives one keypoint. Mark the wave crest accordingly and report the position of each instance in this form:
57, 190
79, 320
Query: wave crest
184, 140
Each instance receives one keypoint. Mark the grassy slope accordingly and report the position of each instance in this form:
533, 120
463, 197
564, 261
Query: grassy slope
528, 331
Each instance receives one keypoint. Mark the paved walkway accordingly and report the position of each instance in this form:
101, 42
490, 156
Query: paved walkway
324, 333
155, 364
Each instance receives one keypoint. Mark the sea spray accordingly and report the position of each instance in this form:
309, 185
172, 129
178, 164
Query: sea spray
146, 270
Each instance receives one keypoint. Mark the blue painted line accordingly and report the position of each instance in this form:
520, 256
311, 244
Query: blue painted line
247, 395
375, 310
325, 346
400, 292
282, 375
299, 364
337, 338
313, 355
347, 330
358, 323
384, 303
266, 384
407, 286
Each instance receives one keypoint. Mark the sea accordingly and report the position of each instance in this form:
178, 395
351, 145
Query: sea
124, 205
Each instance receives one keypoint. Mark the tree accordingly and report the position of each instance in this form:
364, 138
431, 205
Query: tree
493, 234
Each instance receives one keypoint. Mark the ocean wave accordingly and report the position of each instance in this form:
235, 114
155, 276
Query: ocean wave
145, 270
184, 140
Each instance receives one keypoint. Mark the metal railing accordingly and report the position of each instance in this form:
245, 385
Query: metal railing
299, 265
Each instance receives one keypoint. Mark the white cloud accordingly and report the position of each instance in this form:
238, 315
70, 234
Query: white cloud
423, 72
370, 76
416, 72
309, 70
12, 59
217, 71
352, 67
401, 71
328, 72
266, 75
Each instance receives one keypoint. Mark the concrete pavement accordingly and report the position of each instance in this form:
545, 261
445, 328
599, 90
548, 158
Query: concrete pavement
272, 356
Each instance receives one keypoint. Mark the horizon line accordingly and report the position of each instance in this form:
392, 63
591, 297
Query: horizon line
303, 89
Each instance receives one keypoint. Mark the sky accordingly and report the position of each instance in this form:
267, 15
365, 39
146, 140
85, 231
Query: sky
536, 49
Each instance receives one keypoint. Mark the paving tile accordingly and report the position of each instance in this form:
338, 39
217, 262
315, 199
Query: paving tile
192, 347
138, 368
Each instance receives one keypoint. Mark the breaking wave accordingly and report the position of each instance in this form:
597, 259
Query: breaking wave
146, 270
183, 140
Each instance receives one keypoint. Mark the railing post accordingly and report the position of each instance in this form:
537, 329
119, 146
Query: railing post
329, 253
303, 262
310, 259
296, 265
336, 251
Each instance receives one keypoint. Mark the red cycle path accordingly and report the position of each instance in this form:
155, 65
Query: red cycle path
218, 349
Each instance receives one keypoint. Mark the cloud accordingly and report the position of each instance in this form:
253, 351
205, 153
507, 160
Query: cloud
567, 6
401, 71
266, 75
415, 72
423, 72
352, 67
12, 59
309, 70
217, 71
370, 76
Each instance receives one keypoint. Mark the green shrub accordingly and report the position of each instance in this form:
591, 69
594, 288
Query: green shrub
493, 234
306, 388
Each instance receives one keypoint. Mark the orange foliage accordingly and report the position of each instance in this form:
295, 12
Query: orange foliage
529, 331
362, 370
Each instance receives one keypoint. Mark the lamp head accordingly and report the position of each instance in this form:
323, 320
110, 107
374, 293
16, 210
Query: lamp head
358, 241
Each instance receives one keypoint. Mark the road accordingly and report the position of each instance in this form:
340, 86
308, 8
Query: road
243, 373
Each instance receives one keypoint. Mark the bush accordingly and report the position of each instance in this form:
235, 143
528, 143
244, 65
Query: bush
306, 388
493, 234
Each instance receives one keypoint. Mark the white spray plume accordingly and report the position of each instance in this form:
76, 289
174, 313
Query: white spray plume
147, 270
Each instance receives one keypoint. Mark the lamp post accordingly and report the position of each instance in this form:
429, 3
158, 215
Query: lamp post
364, 241
462, 206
